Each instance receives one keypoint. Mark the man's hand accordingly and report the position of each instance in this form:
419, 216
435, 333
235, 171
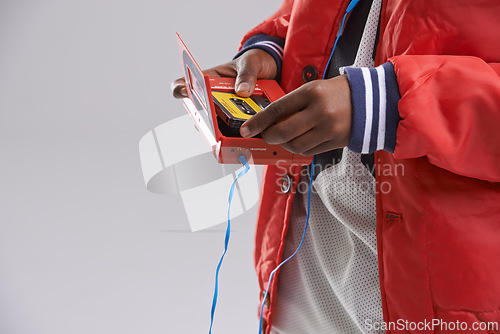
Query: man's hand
312, 119
252, 65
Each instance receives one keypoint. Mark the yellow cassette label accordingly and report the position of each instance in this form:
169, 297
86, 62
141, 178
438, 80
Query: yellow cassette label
238, 107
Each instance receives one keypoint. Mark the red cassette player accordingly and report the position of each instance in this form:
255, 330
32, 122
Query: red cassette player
218, 113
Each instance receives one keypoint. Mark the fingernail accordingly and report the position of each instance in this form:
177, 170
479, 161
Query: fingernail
243, 87
184, 91
244, 131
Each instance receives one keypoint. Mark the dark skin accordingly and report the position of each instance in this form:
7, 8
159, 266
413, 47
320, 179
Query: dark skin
312, 119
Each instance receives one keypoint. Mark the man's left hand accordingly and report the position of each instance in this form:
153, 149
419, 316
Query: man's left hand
312, 119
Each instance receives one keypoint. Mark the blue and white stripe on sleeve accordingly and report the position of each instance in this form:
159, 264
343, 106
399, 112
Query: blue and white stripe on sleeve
270, 44
375, 115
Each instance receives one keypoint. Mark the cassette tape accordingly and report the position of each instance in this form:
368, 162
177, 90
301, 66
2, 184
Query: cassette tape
218, 114
235, 110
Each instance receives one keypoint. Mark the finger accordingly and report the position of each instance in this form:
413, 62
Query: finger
179, 88
289, 128
226, 70
248, 69
304, 142
275, 112
323, 147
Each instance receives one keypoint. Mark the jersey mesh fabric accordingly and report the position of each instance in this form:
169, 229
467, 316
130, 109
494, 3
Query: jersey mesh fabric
332, 284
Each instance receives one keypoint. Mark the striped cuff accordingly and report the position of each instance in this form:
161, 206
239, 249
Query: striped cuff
270, 44
375, 115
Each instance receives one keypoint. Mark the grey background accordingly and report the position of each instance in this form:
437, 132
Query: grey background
84, 248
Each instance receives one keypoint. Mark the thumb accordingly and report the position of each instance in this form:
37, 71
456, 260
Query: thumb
248, 70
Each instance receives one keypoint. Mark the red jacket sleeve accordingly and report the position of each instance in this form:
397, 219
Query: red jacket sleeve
450, 113
275, 25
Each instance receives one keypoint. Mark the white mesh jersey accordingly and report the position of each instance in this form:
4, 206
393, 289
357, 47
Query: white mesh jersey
332, 284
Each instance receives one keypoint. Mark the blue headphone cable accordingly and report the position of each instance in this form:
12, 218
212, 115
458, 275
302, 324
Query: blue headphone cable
244, 162
296, 251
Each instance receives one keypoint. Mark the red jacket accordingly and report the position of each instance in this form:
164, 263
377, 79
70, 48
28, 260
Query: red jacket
438, 200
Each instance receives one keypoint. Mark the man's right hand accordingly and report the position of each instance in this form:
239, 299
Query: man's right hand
252, 65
